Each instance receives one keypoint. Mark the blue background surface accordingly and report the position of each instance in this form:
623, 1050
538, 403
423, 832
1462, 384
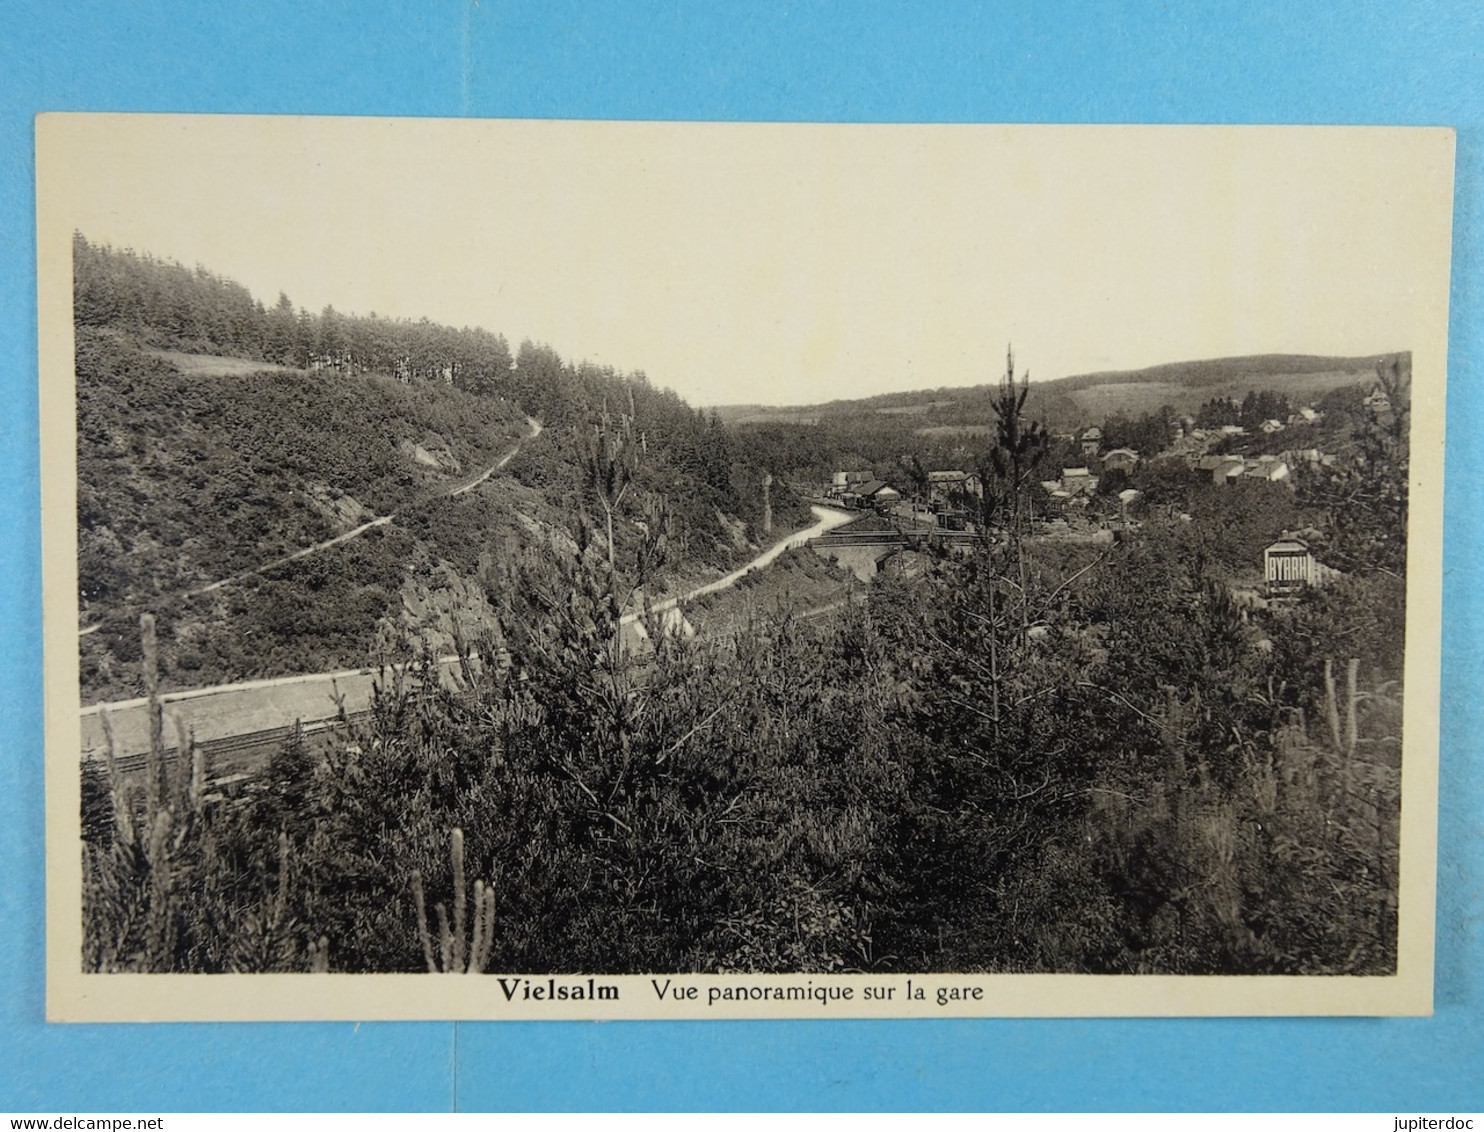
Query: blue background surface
1404, 63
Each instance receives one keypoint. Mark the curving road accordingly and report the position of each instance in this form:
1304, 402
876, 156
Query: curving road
827, 519
227, 710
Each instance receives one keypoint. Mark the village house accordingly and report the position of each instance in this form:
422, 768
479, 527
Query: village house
1271, 426
1268, 468
876, 494
842, 483
1120, 460
1092, 441
1078, 482
1228, 468
1056, 499
944, 486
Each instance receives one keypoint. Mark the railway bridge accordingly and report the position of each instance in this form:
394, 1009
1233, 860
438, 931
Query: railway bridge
867, 545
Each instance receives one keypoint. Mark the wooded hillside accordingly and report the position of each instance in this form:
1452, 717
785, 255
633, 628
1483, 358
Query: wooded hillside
194, 470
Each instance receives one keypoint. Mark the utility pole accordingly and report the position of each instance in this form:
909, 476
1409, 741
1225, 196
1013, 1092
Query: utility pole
767, 503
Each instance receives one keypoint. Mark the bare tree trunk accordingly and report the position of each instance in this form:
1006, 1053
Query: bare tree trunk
994, 667
155, 786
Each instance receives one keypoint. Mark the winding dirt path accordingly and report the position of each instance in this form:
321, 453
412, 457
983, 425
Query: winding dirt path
531, 422
535, 430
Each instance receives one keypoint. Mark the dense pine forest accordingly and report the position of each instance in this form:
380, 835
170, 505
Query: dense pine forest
1031, 751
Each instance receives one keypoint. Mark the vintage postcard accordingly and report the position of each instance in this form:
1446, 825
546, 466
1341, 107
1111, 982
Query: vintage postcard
673, 570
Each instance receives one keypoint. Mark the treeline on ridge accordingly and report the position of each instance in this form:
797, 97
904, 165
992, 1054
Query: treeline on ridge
188, 476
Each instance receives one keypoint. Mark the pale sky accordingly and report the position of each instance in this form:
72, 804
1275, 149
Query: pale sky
790, 264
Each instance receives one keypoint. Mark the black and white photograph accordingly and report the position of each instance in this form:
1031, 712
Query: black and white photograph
677, 570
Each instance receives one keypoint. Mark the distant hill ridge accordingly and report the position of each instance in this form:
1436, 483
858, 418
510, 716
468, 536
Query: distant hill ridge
1069, 402
1210, 371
